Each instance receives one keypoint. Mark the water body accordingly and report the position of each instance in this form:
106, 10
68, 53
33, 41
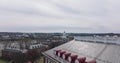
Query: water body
104, 39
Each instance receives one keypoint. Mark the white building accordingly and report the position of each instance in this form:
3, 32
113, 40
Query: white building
64, 35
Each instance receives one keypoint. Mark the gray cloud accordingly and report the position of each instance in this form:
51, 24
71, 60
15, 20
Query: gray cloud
54, 29
60, 15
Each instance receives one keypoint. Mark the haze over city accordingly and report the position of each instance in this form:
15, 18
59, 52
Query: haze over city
99, 16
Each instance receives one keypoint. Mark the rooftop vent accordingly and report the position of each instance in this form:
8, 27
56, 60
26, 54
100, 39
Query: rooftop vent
56, 52
66, 55
80, 60
60, 54
72, 58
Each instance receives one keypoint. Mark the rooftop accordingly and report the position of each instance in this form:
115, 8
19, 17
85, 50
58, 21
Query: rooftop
101, 52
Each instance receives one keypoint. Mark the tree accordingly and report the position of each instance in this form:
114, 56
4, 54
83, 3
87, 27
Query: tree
19, 57
33, 55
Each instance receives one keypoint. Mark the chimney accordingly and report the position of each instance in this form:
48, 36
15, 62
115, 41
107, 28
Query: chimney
56, 52
66, 55
72, 58
60, 54
80, 60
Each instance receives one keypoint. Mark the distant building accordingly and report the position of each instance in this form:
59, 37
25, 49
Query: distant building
19, 49
64, 35
5, 37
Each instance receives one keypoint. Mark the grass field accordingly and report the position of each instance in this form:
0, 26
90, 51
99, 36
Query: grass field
40, 60
2, 61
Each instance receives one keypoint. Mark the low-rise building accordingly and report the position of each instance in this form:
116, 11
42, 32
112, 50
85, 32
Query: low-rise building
22, 52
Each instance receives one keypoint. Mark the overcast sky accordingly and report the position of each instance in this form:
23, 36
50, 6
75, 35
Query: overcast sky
60, 15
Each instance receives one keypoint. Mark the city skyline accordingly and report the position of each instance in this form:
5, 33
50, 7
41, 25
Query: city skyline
94, 16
